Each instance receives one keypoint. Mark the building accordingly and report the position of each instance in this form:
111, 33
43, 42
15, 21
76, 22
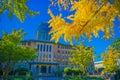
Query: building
52, 56
99, 64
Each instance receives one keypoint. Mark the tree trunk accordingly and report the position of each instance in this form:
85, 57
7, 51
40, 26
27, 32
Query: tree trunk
6, 70
84, 72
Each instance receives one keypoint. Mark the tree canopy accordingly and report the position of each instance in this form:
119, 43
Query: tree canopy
18, 8
88, 18
11, 51
82, 56
110, 60
10, 47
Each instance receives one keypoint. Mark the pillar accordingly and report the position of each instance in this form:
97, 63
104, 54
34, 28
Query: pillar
39, 69
47, 69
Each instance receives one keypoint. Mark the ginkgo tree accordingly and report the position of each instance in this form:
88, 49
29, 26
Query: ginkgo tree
88, 17
110, 60
83, 57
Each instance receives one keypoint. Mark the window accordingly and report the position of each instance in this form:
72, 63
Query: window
43, 55
63, 52
40, 56
58, 57
41, 47
58, 46
66, 57
38, 46
49, 55
58, 51
29, 43
44, 48
62, 57
50, 48
23, 43
54, 56
47, 48
66, 52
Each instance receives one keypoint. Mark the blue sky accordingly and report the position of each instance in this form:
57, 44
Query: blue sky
31, 23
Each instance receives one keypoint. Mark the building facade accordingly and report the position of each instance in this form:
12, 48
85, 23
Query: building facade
51, 57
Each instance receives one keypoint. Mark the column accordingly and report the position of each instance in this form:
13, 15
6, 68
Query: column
33, 69
52, 69
47, 69
37, 70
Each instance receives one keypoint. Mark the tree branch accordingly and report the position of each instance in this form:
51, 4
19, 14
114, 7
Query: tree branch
92, 17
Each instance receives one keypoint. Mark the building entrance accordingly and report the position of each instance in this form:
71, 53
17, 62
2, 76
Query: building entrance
43, 69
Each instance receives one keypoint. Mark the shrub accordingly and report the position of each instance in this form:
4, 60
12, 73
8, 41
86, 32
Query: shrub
11, 72
68, 71
22, 69
76, 71
1, 72
82, 78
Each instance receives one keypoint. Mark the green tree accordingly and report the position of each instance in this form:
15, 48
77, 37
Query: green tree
110, 59
11, 51
17, 8
82, 56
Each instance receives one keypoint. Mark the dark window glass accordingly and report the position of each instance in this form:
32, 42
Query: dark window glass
58, 46
58, 51
41, 47
38, 46
50, 48
49, 55
47, 47
29, 43
66, 52
44, 48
